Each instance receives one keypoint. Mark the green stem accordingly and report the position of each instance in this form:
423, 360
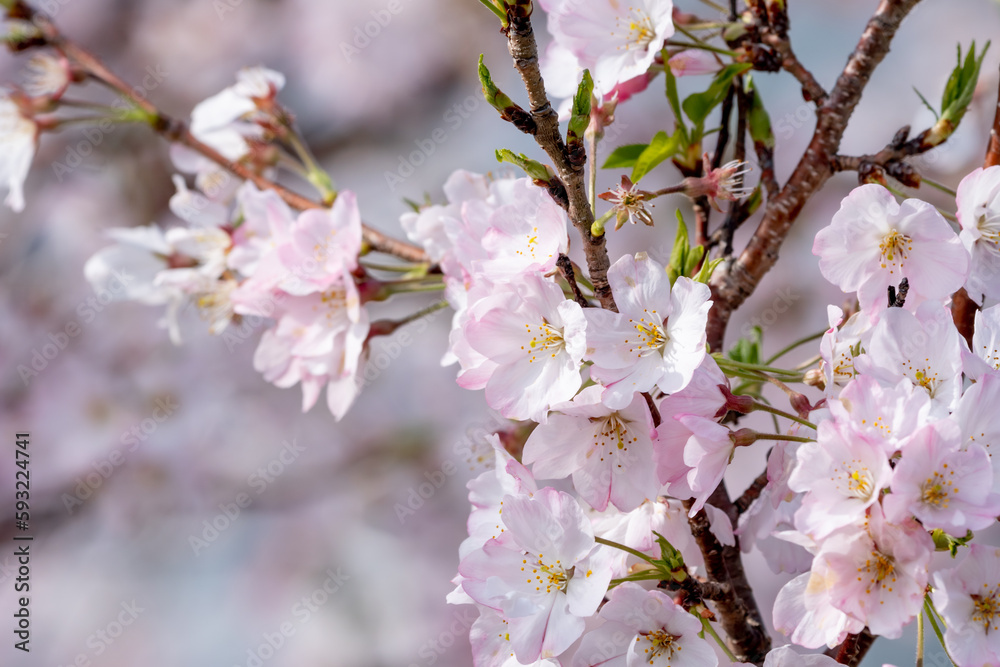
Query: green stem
920, 640
802, 341
781, 413
592, 171
314, 173
412, 286
931, 616
710, 630
616, 545
741, 365
704, 47
783, 438
938, 186
394, 268
652, 575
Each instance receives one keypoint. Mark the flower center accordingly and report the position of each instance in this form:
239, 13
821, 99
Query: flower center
894, 247
660, 643
545, 340
879, 567
859, 479
612, 434
640, 28
531, 243
548, 576
937, 489
986, 609
652, 336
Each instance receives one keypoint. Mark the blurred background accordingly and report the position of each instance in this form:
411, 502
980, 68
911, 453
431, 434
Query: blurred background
188, 513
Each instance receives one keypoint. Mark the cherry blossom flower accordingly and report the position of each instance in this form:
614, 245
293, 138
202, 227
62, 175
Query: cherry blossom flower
978, 201
224, 120
725, 182
47, 75
629, 203
606, 451
925, 348
318, 341
707, 453
874, 242
941, 484
647, 628
883, 416
626, 50
838, 347
878, 571
985, 355
634, 529
692, 62
657, 339
19, 138
536, 337
968, 598
804, 612
841, 476
491, 643
976, 416
542, 573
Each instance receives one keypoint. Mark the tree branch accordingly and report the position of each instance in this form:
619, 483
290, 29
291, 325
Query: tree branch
177, 131
524, 51
738, 279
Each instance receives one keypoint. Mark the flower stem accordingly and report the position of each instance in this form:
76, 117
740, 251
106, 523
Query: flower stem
932, 617
616, 545
938, 186
314, 173
592, 171
704, 47
741, 365
783, 438
710, 630
920, 639
781, 413
802, 341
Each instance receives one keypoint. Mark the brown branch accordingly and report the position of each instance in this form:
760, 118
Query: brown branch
524, 51
854, 648
566, 268
739, 615
740, 278
811, 90
752, 493
177, 131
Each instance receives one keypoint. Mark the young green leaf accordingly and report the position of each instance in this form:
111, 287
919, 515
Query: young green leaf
625, 156
699, 105
661, 148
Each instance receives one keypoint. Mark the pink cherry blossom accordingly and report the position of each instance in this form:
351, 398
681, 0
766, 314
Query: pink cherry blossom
692, 62
839, 346
878, 571
874, 242
19, 137
615, 41
491, 643
976, 416
941, 484
657, 337
925, 348
979, 214
968, 598
985, 355
841, 476
785, 656
318, 341
883, 416
225, 119
542, 574
634, 529
536, 339
644, 628
606, 451
804, 612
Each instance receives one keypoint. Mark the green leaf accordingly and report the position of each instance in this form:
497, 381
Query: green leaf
748, 350
659, 149
758, 122
961, 85
496, 10
533, 168
699, 105
580, 117
707, 269
693, 258
625, 156
678, 254
672, 98
926, 103
497, 99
